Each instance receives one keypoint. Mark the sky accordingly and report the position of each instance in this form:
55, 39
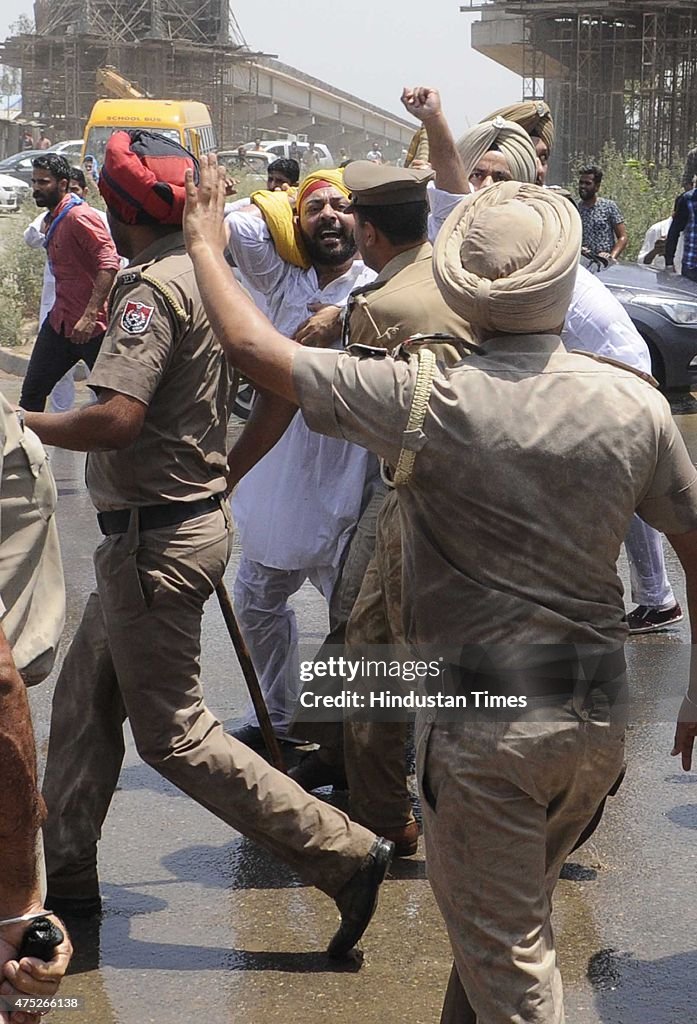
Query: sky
372, 48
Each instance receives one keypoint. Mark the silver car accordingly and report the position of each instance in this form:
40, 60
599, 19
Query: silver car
13, 192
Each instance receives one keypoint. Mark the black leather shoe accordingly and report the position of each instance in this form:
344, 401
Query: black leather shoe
359, 898
313, 773
250, 735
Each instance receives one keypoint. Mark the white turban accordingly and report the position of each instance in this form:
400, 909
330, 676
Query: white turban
506, 258
510, 139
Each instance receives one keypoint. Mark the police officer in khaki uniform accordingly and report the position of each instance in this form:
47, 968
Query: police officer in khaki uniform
391, 229
156, 473
504, 459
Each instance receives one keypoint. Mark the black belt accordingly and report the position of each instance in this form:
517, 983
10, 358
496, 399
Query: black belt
155, 517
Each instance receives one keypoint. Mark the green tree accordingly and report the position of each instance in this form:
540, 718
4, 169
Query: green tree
21, 271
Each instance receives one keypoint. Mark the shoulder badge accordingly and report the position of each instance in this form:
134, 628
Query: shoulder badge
128, 277
136, 317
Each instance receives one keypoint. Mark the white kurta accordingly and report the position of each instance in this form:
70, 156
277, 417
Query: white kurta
298, 506
655, 232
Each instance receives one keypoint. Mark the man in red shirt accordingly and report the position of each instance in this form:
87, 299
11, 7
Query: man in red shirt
84, 261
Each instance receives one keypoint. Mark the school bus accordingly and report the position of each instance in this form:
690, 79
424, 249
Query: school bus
186, 121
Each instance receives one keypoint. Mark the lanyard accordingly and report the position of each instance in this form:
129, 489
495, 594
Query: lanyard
73, 201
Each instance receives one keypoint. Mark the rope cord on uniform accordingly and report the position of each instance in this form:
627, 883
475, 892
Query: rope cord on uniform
417, 413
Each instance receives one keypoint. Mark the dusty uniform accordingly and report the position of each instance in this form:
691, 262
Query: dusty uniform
554, 452
32, 594
597, 322
136, 652
403, 301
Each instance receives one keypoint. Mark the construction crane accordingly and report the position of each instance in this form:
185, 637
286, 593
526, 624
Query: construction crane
112, 85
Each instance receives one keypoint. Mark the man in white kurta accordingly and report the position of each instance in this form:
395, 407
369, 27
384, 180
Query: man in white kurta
296, 509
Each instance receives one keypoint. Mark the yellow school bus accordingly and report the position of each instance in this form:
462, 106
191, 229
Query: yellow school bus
186, 121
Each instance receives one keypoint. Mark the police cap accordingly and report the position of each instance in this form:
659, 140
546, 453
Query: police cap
381, 185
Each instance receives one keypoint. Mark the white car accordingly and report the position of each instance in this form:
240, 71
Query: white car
13, 192
281, 147
71, 149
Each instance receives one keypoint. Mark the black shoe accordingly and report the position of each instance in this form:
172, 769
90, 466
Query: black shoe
250, 735
643, 619
314, 773
359, 898
83, 907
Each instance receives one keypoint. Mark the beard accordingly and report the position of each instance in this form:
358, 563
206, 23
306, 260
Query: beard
50, 199
331, 253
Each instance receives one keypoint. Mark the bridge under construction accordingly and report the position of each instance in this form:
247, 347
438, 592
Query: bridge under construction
183, 49
621, 70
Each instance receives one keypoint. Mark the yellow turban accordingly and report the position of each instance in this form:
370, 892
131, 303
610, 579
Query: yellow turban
506, 258
512, 141
280, 219
533, 116
418, 148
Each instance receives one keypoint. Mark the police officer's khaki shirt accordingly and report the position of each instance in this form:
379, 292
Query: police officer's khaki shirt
403, 301
529, 466
32, 594
160, 350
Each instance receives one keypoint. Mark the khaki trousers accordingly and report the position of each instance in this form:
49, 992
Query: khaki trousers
375, 751
366, 609
503, 805
136, 654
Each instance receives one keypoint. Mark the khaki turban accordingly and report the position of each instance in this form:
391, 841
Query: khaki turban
506, 258
512, 141
533, 116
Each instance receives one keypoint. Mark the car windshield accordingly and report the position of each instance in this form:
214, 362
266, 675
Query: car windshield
246, 164
100, 135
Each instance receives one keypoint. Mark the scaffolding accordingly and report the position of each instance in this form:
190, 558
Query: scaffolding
174, 49
613, 70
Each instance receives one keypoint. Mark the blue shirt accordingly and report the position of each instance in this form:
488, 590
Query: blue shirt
685, 221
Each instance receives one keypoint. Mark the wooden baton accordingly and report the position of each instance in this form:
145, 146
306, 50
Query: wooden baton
250, 677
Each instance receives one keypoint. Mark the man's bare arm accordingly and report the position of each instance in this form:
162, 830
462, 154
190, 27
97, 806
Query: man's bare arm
252, 345
621, 243
269, 420
424, 102
21, 814
84, 328
114, 422
21, 807
323, 328
685, 547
